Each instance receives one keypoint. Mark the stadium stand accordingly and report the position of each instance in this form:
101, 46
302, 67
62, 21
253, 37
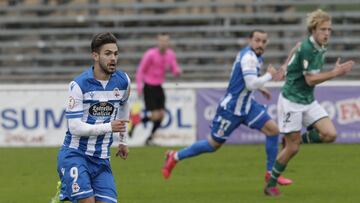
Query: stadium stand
48, 40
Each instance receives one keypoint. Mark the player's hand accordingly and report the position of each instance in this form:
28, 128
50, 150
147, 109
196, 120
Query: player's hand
343, 68
272, 71
283, 67
280, 75
282, 71
178, 73
119, 125
123, 151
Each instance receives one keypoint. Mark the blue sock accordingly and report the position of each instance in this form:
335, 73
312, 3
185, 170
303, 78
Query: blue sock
271, 148
195, 149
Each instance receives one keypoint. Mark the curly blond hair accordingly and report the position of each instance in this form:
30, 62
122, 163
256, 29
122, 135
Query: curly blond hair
315, 18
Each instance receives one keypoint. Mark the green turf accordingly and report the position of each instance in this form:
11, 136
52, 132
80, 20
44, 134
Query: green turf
322, 173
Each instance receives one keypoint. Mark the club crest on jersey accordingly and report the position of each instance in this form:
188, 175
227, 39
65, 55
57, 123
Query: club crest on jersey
220, 132
71, 103
306, 64
116, 92
92, 94
101, 109
75, 187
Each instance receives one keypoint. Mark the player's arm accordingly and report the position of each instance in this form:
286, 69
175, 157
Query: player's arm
74, 114
289, 57
176, 71
252, 81
123, 114
139, 76
339, 70
123, 150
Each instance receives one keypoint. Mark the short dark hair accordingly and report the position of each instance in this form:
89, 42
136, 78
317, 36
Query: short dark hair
255, 30
101, 39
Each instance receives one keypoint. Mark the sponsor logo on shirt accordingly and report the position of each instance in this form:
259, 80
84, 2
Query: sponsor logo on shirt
101, 109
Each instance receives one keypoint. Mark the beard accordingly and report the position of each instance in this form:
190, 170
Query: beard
108, 68
259, 51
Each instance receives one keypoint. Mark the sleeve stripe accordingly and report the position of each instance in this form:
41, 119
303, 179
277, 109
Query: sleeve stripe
249, 71
249, 74
71, 112
73, 116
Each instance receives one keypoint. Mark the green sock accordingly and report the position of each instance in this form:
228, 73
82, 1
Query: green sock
311, 136
275, 173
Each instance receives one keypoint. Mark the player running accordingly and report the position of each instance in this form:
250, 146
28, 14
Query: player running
296, 104
239, 107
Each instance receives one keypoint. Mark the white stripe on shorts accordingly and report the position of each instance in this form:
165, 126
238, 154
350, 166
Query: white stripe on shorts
255, 119
106, 197
80, 193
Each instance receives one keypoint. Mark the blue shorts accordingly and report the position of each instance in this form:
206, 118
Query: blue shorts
225, 122
85, 176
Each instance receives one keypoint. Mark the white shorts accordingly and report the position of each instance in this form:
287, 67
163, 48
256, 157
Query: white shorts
293, 116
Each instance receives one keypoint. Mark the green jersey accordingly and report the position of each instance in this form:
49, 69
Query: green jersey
308, 59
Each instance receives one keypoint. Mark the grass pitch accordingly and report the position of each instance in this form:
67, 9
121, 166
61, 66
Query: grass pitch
321, 173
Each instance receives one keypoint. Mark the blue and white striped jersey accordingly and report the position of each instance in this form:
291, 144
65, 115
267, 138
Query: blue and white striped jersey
94, 104
238, 98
